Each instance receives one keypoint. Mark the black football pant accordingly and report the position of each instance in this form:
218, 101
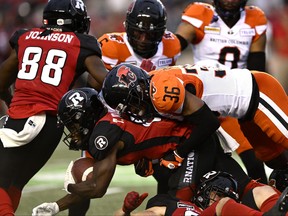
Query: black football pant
19, 164
210, 156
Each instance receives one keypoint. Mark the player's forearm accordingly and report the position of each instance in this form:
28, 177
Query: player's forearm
67, 201
205, 122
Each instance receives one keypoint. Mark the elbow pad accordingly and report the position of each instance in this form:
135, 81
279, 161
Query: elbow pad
205, 124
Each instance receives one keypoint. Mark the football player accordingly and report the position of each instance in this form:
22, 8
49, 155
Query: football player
146, 43
115, 140
216, 195
235, 35
145, 38
189, 93
43, 64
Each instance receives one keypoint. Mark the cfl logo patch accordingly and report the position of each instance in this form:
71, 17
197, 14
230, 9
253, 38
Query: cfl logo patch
101, 142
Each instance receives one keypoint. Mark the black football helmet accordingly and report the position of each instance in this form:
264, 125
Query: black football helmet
79, 110
126, 90
145, 17
280, 178
69, 14
221, 183
229, 10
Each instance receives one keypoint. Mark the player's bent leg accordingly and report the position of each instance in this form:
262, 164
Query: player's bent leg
256, 194
265, 148
272, 113
281, 206
15, 195
255, 167
228, 206
6, 207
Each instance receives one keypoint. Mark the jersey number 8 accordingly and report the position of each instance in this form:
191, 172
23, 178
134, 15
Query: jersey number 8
30, 66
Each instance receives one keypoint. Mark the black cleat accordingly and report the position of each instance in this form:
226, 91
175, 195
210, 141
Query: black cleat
281, 206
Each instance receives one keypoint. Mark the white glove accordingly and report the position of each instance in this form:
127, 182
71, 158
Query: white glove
46, 209
68, 177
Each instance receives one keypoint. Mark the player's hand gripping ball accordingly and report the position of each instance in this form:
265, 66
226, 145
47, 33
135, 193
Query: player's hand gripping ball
82, 169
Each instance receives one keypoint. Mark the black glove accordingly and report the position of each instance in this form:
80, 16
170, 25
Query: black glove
143, 167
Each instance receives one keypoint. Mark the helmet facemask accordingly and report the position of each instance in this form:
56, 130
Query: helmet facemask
214, 186
79, 126
229, 10
136, 107
126, 91
79, 110
145, 26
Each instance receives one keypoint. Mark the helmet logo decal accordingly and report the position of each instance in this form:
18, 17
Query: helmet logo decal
153, 90
101, 142
126, 76
80, 5
209, 174
76, 98
117, 38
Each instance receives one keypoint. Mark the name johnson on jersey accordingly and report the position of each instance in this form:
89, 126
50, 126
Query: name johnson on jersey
66, 38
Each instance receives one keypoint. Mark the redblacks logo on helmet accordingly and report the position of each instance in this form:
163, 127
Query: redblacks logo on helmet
126, 76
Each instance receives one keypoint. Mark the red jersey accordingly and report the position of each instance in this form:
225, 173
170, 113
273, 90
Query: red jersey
174, 206
49, 63
149, 141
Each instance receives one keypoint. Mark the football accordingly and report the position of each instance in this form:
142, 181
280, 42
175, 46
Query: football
82, 169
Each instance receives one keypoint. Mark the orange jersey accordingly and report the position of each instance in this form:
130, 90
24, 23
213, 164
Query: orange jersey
116, 49
216, 41
229, 93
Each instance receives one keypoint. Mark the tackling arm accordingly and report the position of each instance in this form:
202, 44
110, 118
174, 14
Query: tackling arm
197, 113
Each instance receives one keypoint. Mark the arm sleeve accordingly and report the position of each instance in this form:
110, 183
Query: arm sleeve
205, 124
256, 61
183, 42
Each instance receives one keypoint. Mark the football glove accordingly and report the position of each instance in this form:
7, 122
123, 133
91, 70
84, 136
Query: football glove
132, 201
46, 209
171, 160
147, 65
68, 177
143, 167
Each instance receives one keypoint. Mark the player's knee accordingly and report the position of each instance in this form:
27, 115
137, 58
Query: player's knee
262, 193
221, 204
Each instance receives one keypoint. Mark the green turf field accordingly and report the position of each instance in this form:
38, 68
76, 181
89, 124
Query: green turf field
47, 186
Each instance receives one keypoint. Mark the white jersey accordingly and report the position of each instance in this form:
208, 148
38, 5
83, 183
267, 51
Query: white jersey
216, 41
226, 91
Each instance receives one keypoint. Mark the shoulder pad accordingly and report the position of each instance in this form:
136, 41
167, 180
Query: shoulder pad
198, 14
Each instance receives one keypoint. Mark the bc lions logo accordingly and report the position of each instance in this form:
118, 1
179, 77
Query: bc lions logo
153, 90
117, 38
126, 76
